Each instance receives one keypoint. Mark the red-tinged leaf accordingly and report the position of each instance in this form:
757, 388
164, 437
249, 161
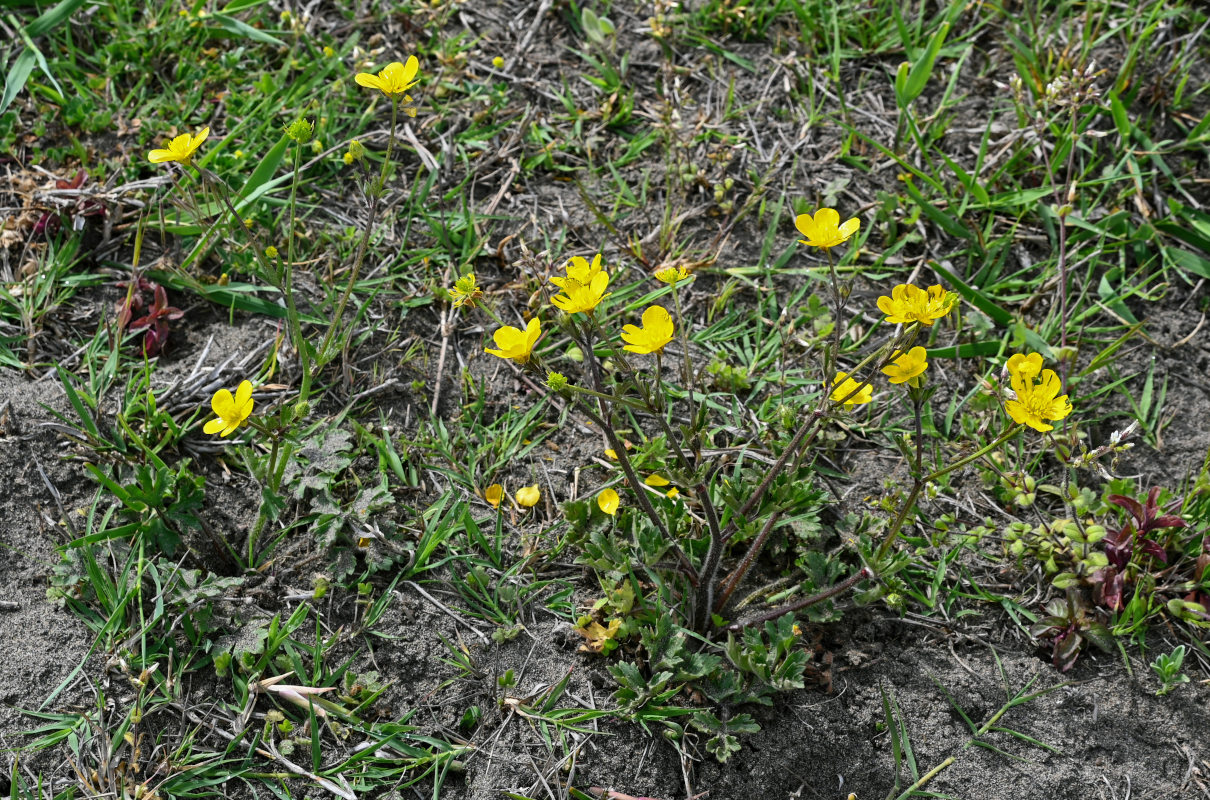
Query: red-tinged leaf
1067, 650
1153, 549
1128, 503
1119, 546
1100, 635
1109, 588
1169, 521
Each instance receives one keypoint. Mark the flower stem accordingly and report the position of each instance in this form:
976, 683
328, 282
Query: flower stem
286, 274
377, 190
920, 482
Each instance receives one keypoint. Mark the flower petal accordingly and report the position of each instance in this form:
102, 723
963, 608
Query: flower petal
214, 426
243, 394
222, 403
827, 218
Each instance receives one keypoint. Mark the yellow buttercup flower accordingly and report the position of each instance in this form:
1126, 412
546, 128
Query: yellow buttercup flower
908, 367
608, 501
908, 303
394, 80
466, 291
846, 386
528, 496
180, 149
494, 494
231, 411
515, 343
1039, 403
580, 296
655, 333
580, 270
824, 229
671, 275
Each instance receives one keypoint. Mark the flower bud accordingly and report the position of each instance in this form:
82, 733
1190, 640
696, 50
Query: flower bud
301, 130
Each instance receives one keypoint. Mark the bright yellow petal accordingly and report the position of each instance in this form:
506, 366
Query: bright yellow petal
214, 426
243, 393
850, 227
827, 219
656, 480
806, 225
528, 496
533, 330
608, 501
160, 156
196, 141
222, 403
410, 69
367, 80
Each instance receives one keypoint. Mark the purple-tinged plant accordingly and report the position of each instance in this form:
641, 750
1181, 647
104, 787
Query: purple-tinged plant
159, 313
1121, 545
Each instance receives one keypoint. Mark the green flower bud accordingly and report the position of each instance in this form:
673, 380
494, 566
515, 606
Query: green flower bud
301, 130
556, 381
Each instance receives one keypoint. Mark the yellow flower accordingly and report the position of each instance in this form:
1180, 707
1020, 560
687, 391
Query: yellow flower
516, 344
528, 496
824, 229
494, 494
180, 149
466, 291
328, 51
656, 480
671, 275
581, 296
608, 501
394, 80
907, 367
655, 333
498, 62
270, 252
347, 158
609, 451
579, 270
1036, 403
672, 493
908, 303
231, 411
846, 386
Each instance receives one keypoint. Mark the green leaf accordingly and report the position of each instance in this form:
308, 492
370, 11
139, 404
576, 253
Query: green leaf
53, 18
17, 75
948, 223
241, 5
910, 84
1183, 259
238, 28
259, 181
969, 350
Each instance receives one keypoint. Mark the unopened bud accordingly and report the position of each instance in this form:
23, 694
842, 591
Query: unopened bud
300, 130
